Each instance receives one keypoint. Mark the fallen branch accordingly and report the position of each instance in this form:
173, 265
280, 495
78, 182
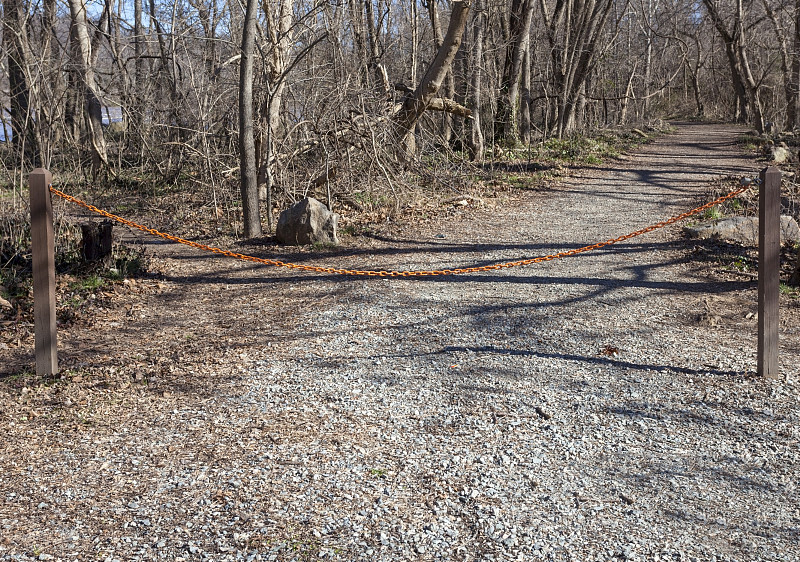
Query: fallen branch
449, 106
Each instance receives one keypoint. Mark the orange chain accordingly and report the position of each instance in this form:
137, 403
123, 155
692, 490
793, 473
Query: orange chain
384, 273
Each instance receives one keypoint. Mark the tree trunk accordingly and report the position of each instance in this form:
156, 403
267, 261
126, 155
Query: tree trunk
374, 64
741, 109
450, 88
649, 14
792, 112
167, 71
573, 30
415, 41
748, 97
82, 51
415, 103
96, 240
55, 86
475, 139
698, 98
789, 89
527, 100
15, 37
794, 280
247, 147
520, 18
359, 42
623, 110
693, 68
279, 32
138, 78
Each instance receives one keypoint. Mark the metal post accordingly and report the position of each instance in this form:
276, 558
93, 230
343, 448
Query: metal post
44, 272
769, 245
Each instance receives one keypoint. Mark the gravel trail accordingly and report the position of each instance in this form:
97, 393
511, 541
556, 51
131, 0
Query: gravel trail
574, 410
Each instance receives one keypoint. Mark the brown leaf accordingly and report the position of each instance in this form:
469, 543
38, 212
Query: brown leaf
610, 351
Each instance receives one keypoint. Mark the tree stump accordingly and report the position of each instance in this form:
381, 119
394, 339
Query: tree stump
96, 241
794, 280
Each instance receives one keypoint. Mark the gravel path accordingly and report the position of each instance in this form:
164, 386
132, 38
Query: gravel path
573, 410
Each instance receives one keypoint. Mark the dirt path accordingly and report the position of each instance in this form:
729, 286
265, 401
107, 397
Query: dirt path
594, 408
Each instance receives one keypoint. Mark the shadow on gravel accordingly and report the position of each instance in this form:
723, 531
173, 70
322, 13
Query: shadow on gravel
756, 527
413, 247
594, 361
627, 275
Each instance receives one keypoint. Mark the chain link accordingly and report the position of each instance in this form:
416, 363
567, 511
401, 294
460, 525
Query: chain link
392, 273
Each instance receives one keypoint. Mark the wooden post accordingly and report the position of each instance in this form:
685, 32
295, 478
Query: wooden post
769, 245
44, 272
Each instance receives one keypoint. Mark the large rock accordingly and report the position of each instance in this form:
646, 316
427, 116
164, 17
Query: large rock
741, 229
307, 222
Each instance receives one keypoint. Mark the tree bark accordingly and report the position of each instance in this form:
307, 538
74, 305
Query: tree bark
415, 104
527, 99
574, 29
647, 30
55, 85
82, 52
415, 40
789, 88
795, 73
519, 26
374, 64
449, 84
359, 42
15, 37
794, 280
279, 32
247, 147
748, 96
475, 140
624, 103
168, 71
138, 78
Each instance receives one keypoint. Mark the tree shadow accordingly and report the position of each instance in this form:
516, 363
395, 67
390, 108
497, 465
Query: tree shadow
594, 360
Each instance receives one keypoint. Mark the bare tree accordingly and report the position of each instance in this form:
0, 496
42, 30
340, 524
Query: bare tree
748, 95
331, 95
794, 94
520, 17
280, 37
15, 38
574, 29
247, 147
415, 103
82, 52
449, 83
789, 60
475, 141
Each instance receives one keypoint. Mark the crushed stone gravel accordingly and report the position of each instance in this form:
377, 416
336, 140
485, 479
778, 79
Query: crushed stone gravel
575, 410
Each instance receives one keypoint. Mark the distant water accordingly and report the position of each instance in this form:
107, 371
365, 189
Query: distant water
5, 128
110, 115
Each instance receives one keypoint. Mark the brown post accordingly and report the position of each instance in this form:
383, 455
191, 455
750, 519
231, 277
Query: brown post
769, 245
44, 272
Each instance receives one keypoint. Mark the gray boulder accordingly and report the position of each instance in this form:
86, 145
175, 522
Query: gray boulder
741, 229
307, 222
